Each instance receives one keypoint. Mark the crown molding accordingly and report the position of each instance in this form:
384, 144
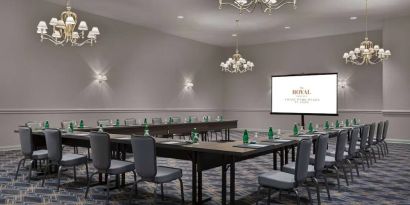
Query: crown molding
104, 110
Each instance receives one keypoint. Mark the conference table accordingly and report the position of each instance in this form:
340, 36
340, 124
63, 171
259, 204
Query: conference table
204, 155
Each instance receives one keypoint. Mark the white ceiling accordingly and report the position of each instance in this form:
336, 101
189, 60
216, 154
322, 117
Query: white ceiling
204, 22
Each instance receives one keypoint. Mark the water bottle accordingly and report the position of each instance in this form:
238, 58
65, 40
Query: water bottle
81, 124
101, 128
189, 119
245, 137
46, 125
117, 123
270, 133
337, 124
146, 130
354, 121
310, 128
327, 126
347, 122
295, 130
145, 121
71, 127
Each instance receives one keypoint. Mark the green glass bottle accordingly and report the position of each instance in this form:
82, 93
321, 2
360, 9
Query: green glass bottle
194, 136
245, 137
146, 130
295, 129
170, 120
337, 124
189, 119
327, 125
347, 123
46, 125
117, 122
310, 128
71, 127
145, 121
81, 124
270, 133
354, 121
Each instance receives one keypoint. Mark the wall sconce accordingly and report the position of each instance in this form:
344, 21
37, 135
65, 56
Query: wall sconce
101, 78
188, 85
342, 83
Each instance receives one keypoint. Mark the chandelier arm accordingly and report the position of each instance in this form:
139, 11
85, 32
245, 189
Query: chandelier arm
52, 39
89, 41
282, 3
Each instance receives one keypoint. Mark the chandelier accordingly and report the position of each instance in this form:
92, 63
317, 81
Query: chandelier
367, 53
64, 30
237, 64
266, 6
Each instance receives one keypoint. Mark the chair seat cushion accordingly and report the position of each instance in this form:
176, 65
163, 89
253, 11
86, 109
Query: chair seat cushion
73, 159
329, 160
40, 154
290, 168
119, 167
277, 179
167, 174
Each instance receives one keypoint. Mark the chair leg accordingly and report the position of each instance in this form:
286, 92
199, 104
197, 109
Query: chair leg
387, 147
378, 151
357, 166
162, 191
29, 170
155, 193
107, 199
309, 194
45, 173
182, 191
89, 180
345, 173
337, 176
269, 193
360, 154
327, 187
374, 154
59, 177
18, 168
317, 189
297, 195
351, 168
258, 194
75, 173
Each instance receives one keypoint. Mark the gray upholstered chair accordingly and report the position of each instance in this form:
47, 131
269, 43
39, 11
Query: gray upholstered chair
104, 123
27, 149
101, 155
156, 121
56, 156
130, 122
377, 142
279, 180
370, 147
145, 160
351, 154
361, 148
337, 161
315, 171
383, 141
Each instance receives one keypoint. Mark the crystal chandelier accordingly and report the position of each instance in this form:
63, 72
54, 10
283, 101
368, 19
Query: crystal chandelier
237, 64
367, 53
266, 6
64, 30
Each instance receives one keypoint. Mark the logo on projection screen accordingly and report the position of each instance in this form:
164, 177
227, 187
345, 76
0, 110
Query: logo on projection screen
301, 95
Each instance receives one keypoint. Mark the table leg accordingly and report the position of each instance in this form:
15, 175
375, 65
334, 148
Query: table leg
229, 134
199, 187
224, 184
282, 156
293, 153
194, 163
275, 160
286, 155
232, 183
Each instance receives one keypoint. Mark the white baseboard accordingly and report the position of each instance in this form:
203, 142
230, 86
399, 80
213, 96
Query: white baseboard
398, 141
10, 148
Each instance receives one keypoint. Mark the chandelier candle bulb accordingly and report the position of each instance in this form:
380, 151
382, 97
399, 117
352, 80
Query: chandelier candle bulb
249, 6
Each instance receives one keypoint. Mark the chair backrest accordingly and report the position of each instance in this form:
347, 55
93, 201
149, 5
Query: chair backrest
385, 128
145, 158
26, 141
302, 160
321, 148
104, 122
100, 150
54, 144
66, 123
340, 145
176, 120
379, 133
353, 141
130, 122
364, 136
371, 134
35, 125
156, 121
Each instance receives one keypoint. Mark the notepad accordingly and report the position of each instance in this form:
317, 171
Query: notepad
253, 146
171, 142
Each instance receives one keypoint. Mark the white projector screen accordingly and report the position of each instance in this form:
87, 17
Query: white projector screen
314, 94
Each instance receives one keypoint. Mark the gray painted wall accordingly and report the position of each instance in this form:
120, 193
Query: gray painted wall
146, 72
247, 96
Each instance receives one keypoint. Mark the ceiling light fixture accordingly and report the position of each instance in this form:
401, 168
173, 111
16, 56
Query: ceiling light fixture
366, 53
237, 64
287, 27
353, 18
267, 6
180, 17
64, 30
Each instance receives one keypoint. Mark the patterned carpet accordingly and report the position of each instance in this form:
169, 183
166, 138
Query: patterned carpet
386, 182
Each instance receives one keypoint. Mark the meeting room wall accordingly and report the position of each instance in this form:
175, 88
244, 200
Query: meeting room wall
247, 96
146, 70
